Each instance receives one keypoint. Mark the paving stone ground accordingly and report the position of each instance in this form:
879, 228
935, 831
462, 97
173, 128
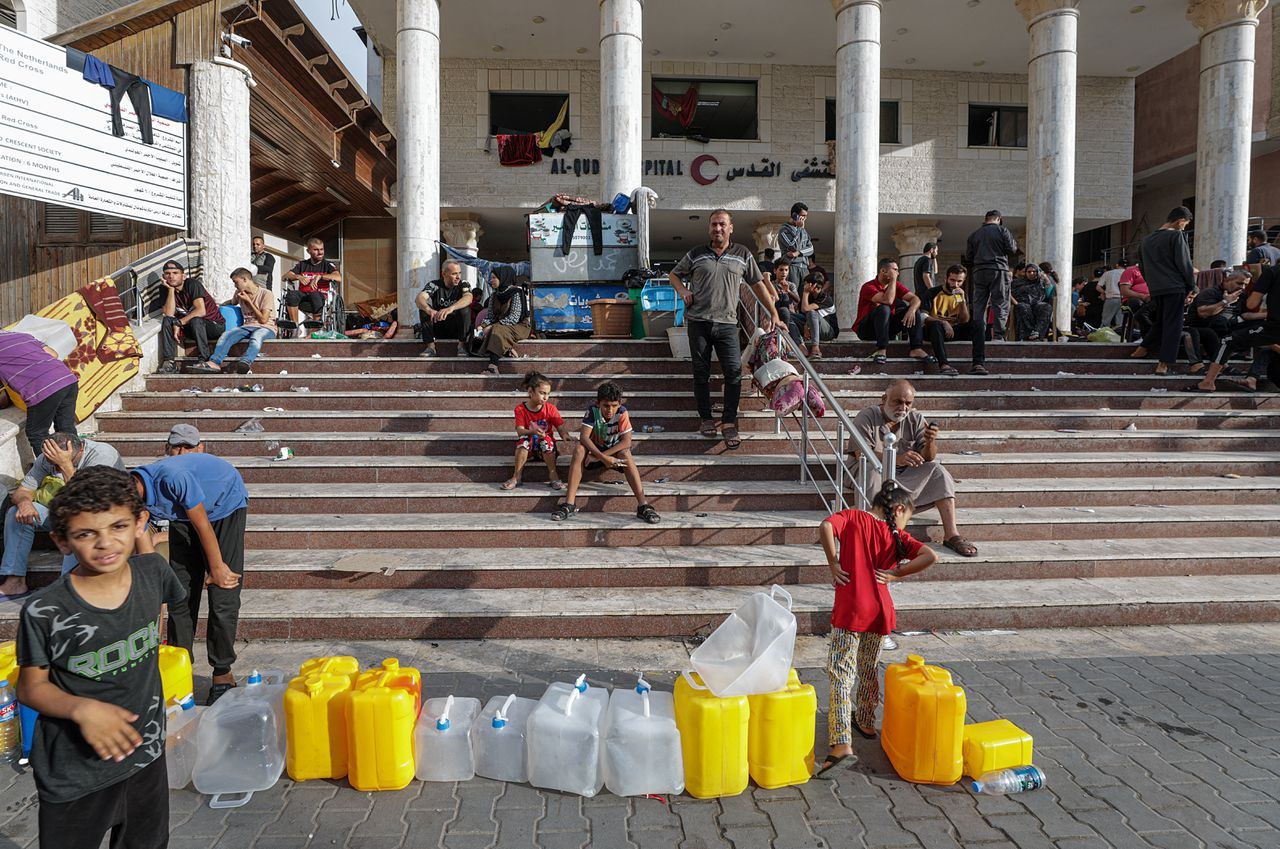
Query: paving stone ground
1159, 737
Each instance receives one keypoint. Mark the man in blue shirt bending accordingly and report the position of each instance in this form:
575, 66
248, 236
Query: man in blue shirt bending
205, 501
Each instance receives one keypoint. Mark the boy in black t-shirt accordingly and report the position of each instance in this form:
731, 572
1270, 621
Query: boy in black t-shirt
88, 646
190, 312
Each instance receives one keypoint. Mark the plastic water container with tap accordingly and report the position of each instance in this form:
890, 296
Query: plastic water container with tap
181, 724
498, 739
641, 743
564, 738
443, 739
240, 742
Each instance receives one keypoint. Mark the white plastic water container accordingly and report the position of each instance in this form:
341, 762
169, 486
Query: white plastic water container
642, 744
240, 742
498, 739
442, 739
563, 739
181, 726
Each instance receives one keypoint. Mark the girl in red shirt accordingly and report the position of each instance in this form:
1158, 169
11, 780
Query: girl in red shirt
871, 554
537, 421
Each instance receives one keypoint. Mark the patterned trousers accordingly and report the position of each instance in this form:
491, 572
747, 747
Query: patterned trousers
852, 657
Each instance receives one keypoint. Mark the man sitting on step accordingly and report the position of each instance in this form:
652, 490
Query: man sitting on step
444, 308
918, 468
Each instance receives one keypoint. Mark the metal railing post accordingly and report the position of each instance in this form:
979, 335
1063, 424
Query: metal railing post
804, 437
864, 482
890, 471
840, 466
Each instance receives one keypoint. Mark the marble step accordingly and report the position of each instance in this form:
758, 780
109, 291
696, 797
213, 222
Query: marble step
701, 566
650, 612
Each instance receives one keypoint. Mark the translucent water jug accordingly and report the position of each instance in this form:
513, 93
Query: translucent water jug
564, 738
182, 724
642, 744
240, 742
751, 650
498, 738
443, 739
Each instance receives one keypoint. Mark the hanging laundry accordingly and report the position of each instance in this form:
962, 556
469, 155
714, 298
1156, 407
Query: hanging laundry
562, 141
520, 149
96, 71
544, 137
569, 224
167, 103
120, 83
679, 109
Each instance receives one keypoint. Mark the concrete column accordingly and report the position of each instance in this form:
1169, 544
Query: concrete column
909, 238
621, 96
765, 234
857, 200
37, 18
417, 147
218, 104
1224, 140
464, 234
1051, 142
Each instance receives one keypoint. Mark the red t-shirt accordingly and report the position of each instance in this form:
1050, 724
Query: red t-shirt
866, 544
871, 289
548, 418
1133, 276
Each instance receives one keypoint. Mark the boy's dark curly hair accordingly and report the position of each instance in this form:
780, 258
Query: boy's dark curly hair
95, 490
608, 391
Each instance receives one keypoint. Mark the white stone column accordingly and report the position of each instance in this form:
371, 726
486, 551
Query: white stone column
621, 97
417, 147
909, 239
1224, 140
464, 234
1051, 141
38, 18
218, 103
857, 200
765, 235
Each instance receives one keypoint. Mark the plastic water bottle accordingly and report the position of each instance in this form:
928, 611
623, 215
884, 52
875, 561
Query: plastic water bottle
1016, 780
10, 730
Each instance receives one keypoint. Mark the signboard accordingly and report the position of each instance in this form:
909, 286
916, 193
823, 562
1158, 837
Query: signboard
565, 308
619, 251
56, 143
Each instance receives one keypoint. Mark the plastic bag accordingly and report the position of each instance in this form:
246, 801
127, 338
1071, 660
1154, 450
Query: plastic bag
750, 653
1106, 334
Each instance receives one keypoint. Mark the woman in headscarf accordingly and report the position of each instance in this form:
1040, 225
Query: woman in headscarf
506, 322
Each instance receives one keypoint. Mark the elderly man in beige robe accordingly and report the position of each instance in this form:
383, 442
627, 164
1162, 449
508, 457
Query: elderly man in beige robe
918, 468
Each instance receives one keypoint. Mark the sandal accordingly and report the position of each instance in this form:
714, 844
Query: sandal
563, 511
815, 353
949, 371
557, 485
708, 429
979, 369
648, 514
203, 368
830, 766
927, 359
241, 367
731, 438
491, 370
510, 484
879, 359
961, 546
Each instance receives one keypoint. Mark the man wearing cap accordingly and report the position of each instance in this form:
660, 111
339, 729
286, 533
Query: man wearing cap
62, 456
988, 252
189, 311
205, 501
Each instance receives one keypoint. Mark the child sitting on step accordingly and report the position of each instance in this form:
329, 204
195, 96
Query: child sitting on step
537, 420
870, 556
605, 439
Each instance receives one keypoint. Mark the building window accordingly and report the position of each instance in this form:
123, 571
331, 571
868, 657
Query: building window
705, 109
1091, 246
890, 124
8, 16
62, 225
512, 113
997, 126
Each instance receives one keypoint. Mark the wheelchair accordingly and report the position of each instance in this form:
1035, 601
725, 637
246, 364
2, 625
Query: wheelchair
330, 318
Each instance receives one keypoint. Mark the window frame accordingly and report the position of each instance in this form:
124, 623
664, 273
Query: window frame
654, 115
1018, 108
565, 96
897, 127
83, 234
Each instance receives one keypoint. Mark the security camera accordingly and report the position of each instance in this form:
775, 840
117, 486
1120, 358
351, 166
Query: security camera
237, 40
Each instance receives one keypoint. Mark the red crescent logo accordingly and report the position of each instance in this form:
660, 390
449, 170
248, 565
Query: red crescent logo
695, 169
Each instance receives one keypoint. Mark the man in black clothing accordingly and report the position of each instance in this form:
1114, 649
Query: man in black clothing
1260, 250
1031, 305
315, 276
1265, 334
988, 252
263, 262
925, 271
190, 311
949, 319
444, 308
1165, 261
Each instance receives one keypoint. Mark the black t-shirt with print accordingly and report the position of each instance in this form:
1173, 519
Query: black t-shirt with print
108, 655
1269, 285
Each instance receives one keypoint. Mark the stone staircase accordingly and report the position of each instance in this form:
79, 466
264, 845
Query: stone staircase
389, 523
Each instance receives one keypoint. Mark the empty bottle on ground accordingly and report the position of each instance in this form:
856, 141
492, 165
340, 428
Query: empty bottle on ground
1016, 780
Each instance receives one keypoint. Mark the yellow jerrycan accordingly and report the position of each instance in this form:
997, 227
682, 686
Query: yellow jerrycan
315, 718
713, 739
993, 746
381, 713
923, 732
175, 674
9, 663
781, 734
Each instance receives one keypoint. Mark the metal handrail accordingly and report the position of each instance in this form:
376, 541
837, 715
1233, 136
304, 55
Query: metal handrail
803, 424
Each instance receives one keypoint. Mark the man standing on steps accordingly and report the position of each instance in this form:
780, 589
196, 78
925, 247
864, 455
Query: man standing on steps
797, 247
988, 252
710, 279
918, 469
1166, 264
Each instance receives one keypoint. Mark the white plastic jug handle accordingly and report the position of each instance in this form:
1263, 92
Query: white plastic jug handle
568, 704
688, 677
230, 800
645, 696
775, 590
503, 711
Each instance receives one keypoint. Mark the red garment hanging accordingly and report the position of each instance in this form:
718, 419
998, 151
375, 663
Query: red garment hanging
679, 109
519, 149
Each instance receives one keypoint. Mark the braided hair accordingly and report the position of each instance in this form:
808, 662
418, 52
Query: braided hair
891, 496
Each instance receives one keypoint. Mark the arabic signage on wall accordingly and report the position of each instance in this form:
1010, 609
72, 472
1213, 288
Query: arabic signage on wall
56, 143
705, 169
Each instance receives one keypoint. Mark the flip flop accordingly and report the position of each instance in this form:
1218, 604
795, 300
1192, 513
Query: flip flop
708, 429
829, 767
961, 546
731, 438
6, 597
509, 484
1232, 386
1195, 387
556, 485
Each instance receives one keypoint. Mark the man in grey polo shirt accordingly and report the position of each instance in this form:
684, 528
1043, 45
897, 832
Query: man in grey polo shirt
63, 455
709, 279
